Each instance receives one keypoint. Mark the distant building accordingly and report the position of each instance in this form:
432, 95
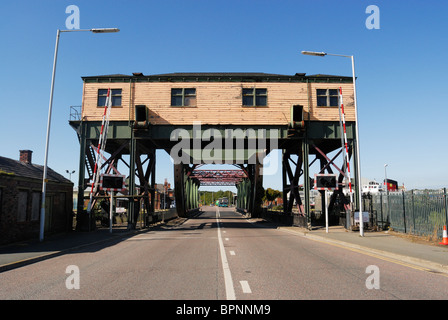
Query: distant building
20, 200
392, 185
371, 186
164, 196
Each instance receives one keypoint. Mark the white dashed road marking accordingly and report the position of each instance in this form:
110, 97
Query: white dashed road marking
245, 287
230, 291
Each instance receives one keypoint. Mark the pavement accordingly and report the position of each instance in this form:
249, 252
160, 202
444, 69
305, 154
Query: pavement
386, 245
19, 254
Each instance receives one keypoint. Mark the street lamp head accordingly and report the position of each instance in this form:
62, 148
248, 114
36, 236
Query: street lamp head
312, 53
104, 30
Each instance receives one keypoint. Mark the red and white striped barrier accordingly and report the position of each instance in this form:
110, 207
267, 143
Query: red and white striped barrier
345, 140
100, 147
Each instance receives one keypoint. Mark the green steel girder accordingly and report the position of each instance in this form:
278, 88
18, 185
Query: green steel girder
121, 134
326, 134
186, 190
123, 129
303, 150
250, 191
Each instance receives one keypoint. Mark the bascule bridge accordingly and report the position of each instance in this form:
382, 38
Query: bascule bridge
222, 118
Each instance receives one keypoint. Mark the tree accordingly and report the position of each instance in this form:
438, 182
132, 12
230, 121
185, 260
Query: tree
271, 195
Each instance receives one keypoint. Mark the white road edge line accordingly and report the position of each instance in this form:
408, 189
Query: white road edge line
230, 291
245, 286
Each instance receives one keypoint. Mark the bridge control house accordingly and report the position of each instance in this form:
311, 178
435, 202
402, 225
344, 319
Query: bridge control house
300, 111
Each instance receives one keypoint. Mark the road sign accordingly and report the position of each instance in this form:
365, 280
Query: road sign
365, 216
112, 182
325, 182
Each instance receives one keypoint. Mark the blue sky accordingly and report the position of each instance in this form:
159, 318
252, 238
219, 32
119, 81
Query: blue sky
401, 67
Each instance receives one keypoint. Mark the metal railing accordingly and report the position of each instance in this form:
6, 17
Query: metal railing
418, 212
75, 113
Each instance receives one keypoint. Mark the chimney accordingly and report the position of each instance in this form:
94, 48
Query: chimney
25, 156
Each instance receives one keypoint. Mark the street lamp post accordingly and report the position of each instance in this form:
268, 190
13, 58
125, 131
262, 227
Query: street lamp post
358, 163
44, 178
387, 194
70, 174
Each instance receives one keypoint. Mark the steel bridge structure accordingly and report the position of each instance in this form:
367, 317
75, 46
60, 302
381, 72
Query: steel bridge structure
218, 177
133, 139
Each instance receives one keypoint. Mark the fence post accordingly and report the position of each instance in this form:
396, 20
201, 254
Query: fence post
446, 206
413, 213
381, 206
404, 212
388, 208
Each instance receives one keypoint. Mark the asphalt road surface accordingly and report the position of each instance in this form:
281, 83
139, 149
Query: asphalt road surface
219, 255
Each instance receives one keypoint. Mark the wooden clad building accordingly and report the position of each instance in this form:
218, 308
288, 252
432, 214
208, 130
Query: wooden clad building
218, 98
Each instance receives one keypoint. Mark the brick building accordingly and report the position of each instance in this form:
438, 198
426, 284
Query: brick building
163, 194
20, 199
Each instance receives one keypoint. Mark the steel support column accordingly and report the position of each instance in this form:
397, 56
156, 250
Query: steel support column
152, 171
131, 186
81, 215
188, 193
185, 190
179, 189
306, 179
356, 183
257, 191
244, 188
146, 188
291, 192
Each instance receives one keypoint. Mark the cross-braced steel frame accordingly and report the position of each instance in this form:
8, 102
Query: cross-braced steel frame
136, 149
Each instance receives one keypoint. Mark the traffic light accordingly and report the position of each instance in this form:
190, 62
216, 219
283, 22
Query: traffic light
141, 117
297, 117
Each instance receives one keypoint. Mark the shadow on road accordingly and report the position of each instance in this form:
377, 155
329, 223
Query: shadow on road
20, 254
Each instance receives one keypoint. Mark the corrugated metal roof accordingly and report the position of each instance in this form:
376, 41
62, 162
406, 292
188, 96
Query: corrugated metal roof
217, 76
194, 74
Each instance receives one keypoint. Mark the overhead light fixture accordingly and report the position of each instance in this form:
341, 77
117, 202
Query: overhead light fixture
105, 30
312, 53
